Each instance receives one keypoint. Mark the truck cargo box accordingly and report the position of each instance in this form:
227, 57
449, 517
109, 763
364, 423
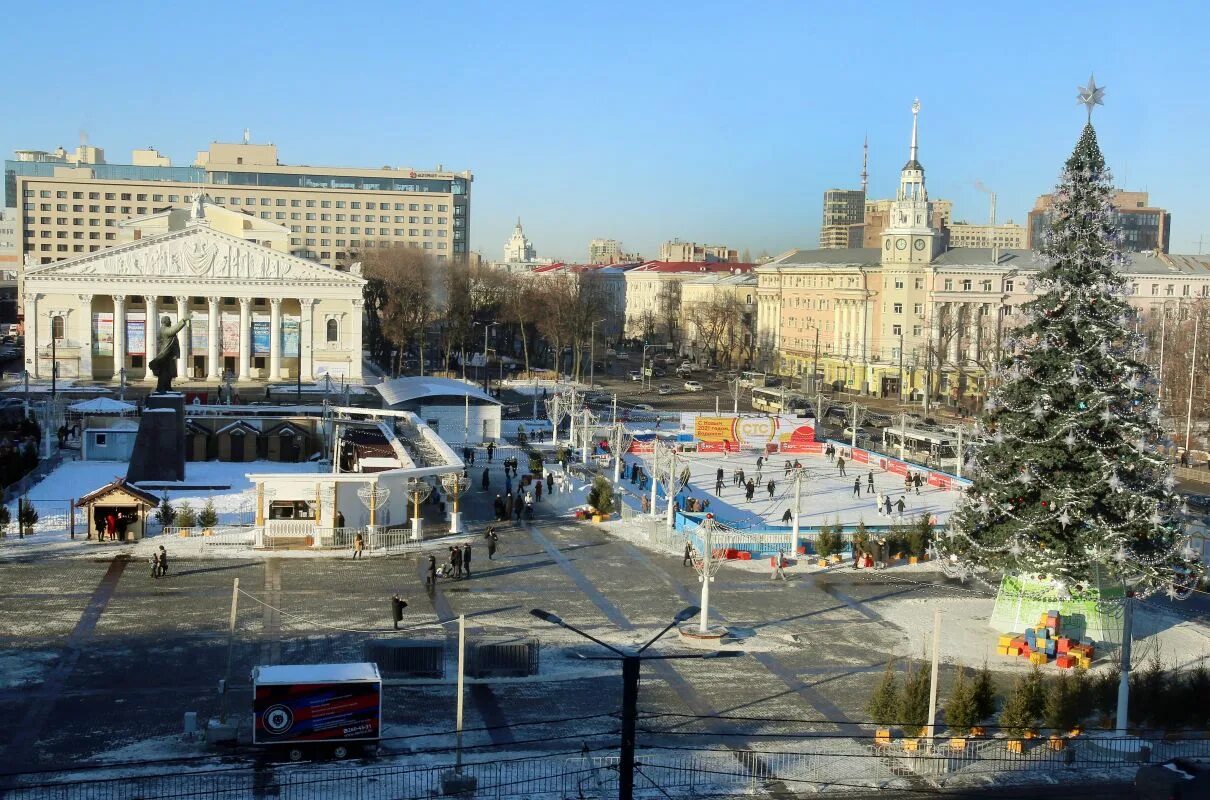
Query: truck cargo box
316, 703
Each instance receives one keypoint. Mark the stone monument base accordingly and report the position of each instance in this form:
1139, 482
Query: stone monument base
159, 446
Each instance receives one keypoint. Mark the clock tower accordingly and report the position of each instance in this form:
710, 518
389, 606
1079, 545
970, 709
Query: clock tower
909, 238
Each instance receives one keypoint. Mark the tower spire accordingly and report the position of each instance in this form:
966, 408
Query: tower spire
865, 161
915, 119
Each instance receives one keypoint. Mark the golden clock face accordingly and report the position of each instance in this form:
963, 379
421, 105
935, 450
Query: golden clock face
901, 244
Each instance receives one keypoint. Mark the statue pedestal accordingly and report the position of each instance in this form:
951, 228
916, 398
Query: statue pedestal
159, 447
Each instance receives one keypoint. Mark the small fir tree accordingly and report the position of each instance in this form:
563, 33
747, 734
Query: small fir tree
1105, 691
6, 519
27, 518
1197, 691
883, 707
914, 702
984, 691
600, 496
1083, 692
208, 517
1035, 688
165, 514
1017, 717
186, 517
1070, 483
1147, 687
1060, 712
861, 537
961, 711
827, 541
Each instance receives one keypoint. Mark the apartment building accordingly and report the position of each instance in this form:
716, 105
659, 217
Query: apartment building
676, 250
1007, 235
68, 204
718, 317
646, 309
843, 211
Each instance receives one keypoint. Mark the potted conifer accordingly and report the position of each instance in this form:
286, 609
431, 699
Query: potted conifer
186, 518
914, 706
884, 704
961, 710
984, 691
1017, 718
208, 517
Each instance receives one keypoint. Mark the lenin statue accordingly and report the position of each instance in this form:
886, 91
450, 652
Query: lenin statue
163, 366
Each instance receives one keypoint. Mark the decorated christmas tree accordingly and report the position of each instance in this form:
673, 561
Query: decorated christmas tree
1069, 490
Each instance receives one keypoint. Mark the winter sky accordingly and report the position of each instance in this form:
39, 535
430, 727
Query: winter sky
710, 121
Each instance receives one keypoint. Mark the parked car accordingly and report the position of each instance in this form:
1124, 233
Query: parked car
878, 420
862, 433
659, 373
1198, 502
634, 375
693, 386
643, 407
664, 388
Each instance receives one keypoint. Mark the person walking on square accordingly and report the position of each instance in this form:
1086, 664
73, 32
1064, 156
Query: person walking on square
430, 580
359, 544
750, 490
491, 451
840, 465
743, 479
718, 487
787, 517
508, 482
778, 563
788, 469
688, 559
718, 475
919, 480
466, 558
550, 482
869, 485
487, 481
772, 487
900, 505
758, 474
162, 561
456, 561
538, 491
492, 540
886, 504
857, 487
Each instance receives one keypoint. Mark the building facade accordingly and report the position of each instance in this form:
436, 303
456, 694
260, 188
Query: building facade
912, 316
257, 312
68, 205
676, 250
1144, 227
842, 210
878, 214
609, 251
718, 317
650, 306
1007, 235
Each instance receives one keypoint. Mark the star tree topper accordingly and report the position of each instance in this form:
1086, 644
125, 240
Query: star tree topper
1091, 95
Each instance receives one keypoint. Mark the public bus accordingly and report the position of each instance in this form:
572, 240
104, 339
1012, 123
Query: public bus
932, 447
776, 401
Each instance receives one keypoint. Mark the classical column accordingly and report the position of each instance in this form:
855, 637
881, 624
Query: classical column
214, 347
119, 335
151, 328
355, 339
836, 340
182, 338
864, 320
275, 339
85, 367
31, 334
306, 345
245, 338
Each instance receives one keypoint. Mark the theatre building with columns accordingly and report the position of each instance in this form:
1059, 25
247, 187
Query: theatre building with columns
257, 312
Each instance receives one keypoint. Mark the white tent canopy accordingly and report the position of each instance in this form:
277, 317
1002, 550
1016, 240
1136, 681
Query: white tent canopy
102, 405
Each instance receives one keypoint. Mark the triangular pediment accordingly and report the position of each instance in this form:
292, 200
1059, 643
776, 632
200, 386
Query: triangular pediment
199, 254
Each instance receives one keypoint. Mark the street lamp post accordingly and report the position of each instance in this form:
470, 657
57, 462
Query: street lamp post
486, 327
631, 661
592, 377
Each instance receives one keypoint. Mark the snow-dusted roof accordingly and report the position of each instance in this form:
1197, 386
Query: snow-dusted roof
281, 674
405, 390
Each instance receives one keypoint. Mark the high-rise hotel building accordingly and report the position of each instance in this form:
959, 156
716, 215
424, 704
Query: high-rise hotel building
71, 203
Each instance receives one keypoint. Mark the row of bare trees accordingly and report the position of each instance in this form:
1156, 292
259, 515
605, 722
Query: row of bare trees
414, 303
723, 328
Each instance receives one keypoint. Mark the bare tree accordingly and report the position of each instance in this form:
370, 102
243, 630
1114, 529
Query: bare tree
399, 291
668, 311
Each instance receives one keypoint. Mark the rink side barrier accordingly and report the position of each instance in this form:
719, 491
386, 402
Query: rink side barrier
942, 480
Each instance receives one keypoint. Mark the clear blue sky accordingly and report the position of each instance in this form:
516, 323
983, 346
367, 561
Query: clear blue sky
719, 122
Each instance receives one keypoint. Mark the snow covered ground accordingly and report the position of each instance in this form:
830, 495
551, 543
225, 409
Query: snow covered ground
827, 496
53, 495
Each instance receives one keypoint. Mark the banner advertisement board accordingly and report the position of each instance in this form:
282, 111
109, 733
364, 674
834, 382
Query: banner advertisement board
290, 336
136, 339
102, 334
199, 334
260, 335
230, 334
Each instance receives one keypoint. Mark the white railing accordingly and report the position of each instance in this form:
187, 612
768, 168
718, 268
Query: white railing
198, 530
230, 537
290, 527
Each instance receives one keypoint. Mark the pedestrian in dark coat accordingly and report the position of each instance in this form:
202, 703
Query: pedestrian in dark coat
492, 540
466, 558
538, 491
857, 487
688, 559
887, 504
162, 561
508, 507
718, 475
518, 505
430, 582
787, 517
98, 521
750, 490
550, 482
718, 486
840, 464
491, 451
771, 486
742, 477
487, 481
456, 561
900, 505
498, 506
869, 485
919, 480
